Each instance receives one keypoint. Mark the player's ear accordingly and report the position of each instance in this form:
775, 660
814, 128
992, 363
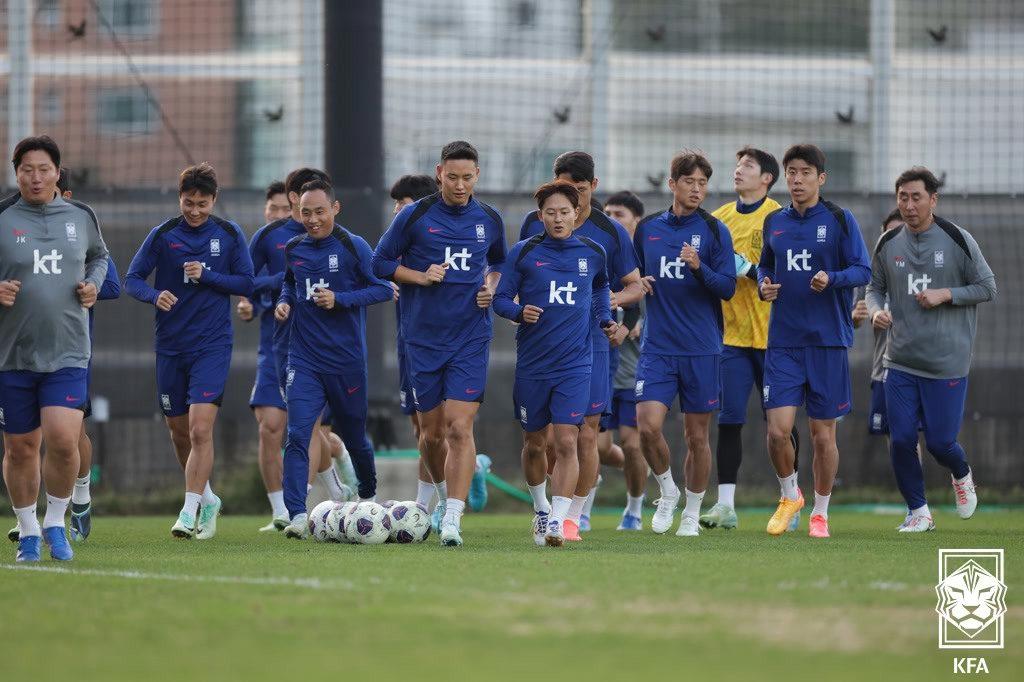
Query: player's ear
671, 185
593, 184
336, 206
293, 199
67, 195
822, 177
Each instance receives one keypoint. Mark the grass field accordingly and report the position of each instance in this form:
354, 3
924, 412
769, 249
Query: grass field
731, 605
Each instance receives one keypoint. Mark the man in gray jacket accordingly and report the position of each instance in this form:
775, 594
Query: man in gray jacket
52, 265
934, 275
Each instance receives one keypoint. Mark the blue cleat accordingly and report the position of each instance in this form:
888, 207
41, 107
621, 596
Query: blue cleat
28, 548
478, 487
435, 518
584, 523
630, 522
57, 539
81, 521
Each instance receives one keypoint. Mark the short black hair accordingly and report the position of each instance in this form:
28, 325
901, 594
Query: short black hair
765, 161
893, 215
275, 188
687, 161
319, 184
201, 178
550, 189
629, 200
413, 186
63, 181
300, 176
931, 183
808, 153
578, 165
459, 149
36, 143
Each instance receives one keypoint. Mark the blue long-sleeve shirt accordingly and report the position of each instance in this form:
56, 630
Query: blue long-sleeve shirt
795, 248
330, 341
612, 237
469, 240
202, 316
567, 279
266, 248
684, 314
110, 290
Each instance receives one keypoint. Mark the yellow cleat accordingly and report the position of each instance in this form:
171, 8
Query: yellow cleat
779, 521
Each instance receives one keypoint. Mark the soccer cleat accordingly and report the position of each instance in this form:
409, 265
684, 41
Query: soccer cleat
553, 537
571, 531
584, 523
966, 497
208, 520
630, 522
794, 523
346, 471
298, 529
450, 536
719, 516
57, 539
28, 549
663, 515
689, 527
435, 518
185, 526
278, 523
478, 486
14, 534
81, 521
540, 527
783, 515
818, 526
917, 524
906, 520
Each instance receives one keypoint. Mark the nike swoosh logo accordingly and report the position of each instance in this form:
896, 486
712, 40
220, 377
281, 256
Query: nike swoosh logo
433, 230
954, 383
712, 402
843, 406
776, 233
298, 263
575, 414
653, 239
540, 265
352, 390
209, 394
70, 398
281, 246
472, 391
176, 246
594, 406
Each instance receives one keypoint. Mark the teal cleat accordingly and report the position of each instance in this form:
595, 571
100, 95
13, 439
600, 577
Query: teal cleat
208, 520
719, 516
185, 527
81, 521
435, 518
478, 487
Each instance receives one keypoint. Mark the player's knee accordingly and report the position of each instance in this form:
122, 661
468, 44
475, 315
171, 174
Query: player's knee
823, 440
459, 432
565, 445
200, 434
939, 447
649, 434
271, 430
778, 436
431, 438
697, 442
21, 451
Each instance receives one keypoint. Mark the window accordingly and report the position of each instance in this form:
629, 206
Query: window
131, 17
125, 111
48, 14
51, 106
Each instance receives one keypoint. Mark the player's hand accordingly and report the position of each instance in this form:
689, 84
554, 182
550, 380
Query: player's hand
647, 285
769, 291
282, 311
244, 309
165, 301
616, 334
434, 274
881, 320
484, 296
690, 256
932, 298
860, 312
396, 292
9, 289
86, 294
636, 331
531, 314
819, 281
613, 298
194, 270
324, 298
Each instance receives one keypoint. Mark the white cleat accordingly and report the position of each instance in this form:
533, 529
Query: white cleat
450, 536
554, 536
906, 520
689, 527
298, 529
540, 527
966, 497
277, 524
663, 516
917, 524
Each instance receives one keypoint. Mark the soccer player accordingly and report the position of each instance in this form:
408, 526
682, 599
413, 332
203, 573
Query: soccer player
200, 261
51, 270
443, 251
746, 325
560, 279
690, 253
327, 286
933, 275
627, 289
812, 257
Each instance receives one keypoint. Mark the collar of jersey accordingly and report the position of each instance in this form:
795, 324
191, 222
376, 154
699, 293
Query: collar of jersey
750, 208
812, 211
456, 210
57, 200
677, 221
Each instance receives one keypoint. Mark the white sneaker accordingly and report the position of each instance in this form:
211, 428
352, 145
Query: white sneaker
905, 521
278, 523
689, 527
554, 537
540, 527
450, 535
665, 513
298, 529
917, 524
966, 497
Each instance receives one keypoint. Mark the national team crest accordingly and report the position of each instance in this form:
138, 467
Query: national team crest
901, 262
332, 262
522, 414
214, 247
639, 390
695, 241
940, 259
72, 232
165, 401
971, 598
822, 233
583, 266
3, 421
481, 233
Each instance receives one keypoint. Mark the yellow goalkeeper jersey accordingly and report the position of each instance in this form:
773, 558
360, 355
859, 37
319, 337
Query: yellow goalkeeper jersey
746, 315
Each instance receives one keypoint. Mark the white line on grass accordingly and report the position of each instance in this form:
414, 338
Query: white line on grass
308, 583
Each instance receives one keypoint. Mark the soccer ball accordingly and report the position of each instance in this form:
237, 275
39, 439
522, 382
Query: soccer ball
318, 521
345, 508
335, 521
410, 522
368, 524
388, 504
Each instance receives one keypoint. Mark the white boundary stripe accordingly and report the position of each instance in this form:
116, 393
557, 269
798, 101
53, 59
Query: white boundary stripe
307, 583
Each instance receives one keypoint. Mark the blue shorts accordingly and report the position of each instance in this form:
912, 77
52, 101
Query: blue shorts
623, 410
539, 402
742, 369
935, 406
404, 385
878, 422
815, 375
191, 379
23, 394
600, 384
694, 378
449, 375
266, 392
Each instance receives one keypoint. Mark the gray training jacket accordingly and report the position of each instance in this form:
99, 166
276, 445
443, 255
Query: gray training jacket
935, 343
50, 249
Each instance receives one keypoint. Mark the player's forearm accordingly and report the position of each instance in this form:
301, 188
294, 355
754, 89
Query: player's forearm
492, 278
375, 293
875, 299
267, 284
601, 307
973, 294
237, 284
856, 275
504, 305
404, 275
138, 289
722, 286
630, 294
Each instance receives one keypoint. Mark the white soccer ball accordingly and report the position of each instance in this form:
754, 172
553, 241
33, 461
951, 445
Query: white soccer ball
368, 524
334, 523
318, 521
410, 522
344, 509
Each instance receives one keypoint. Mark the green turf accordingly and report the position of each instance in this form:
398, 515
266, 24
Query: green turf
731, 605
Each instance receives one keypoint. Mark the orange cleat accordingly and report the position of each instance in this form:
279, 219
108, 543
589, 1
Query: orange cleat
819, 526
571, 531
787, 509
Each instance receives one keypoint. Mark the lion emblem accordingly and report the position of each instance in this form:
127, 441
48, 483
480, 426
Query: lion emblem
971, 598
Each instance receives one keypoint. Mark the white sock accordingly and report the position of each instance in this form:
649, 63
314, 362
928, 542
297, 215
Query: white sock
442, 490
56, 507
693, 501
921, 511
588, 506
727, 494
634, 505
424, 493
667, 485
559, 508
191, 505
329, 478
309, 486
277, 507
821, 504
540, 497
576, 508
453, 509
789, 486
208, 496
80, 494
28, 522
